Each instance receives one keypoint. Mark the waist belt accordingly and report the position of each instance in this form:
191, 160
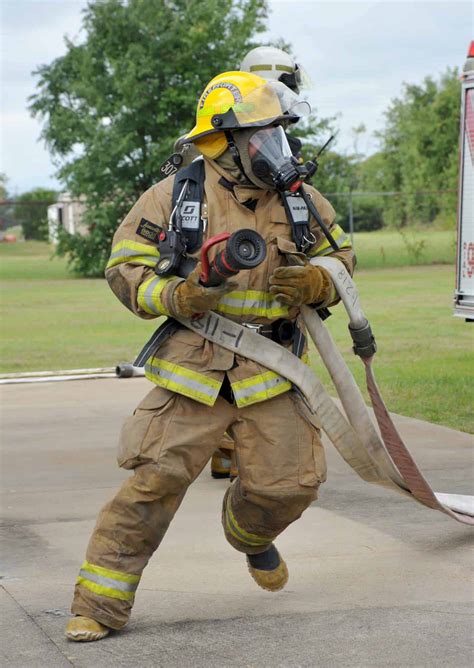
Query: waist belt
284, 332
381, 460
263, 330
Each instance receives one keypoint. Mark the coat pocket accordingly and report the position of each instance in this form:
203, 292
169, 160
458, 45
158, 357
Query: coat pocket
311, 457
143, 433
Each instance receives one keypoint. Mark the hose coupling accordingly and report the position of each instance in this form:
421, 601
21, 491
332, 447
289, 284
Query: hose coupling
363, 339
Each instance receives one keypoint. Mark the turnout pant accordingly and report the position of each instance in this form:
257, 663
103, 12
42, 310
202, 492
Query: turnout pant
168, 441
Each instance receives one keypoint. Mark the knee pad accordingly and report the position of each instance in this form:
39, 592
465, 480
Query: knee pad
161, 480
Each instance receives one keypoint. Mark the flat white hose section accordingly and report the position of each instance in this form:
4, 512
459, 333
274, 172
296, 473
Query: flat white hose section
56, 379
123, 370
55, 376
381, 460
64, 372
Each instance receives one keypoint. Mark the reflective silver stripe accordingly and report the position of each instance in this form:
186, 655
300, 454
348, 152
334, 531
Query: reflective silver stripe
259, 387
183, 380
148, 294
240, 303
342, 239
107, 582
131, 252
267, 305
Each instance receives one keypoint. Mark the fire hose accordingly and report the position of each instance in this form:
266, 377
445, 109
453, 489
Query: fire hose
379, 459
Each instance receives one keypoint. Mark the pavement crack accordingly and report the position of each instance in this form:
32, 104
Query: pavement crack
33, 621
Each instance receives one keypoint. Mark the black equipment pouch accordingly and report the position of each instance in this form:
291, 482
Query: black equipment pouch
187, 208
298, 215
287, 332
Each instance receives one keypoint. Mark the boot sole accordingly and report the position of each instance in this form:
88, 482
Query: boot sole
86, 636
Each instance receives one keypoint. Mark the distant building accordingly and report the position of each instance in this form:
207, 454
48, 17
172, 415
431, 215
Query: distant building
66, 213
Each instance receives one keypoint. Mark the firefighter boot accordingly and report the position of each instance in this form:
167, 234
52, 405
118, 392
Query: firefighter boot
221, 463
85, 629
268, 569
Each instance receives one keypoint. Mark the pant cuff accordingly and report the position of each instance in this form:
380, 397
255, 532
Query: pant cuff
98, 615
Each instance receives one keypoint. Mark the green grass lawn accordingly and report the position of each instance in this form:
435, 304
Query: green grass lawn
385, 248
53, 321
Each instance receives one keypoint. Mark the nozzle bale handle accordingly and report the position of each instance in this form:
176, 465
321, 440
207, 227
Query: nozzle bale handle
245, 249
206, 269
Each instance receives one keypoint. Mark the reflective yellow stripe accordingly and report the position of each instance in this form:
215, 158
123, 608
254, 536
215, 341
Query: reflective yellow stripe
240, 534
149, 295
237, 107
177, 378
105, 591
133, 252
325, 247
261, 68
106, 582
284, 68
252, 302
108, 573
259, 388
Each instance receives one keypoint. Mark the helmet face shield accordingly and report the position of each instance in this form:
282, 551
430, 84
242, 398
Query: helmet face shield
270, 103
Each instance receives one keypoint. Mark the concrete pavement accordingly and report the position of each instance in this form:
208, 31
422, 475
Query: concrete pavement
375, 580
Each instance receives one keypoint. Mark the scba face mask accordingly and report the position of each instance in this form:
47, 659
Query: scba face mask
271, 159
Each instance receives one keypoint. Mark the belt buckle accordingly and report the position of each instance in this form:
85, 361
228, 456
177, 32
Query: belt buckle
253, 327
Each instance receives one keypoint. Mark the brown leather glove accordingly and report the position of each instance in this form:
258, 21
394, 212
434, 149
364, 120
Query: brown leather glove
190, 297
302, 285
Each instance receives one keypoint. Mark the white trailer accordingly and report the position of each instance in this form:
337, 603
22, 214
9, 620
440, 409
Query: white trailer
464, 293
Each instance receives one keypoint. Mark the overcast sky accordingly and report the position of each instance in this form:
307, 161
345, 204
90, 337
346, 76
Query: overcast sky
358, 54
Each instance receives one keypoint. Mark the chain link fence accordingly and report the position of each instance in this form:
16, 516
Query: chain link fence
369, 211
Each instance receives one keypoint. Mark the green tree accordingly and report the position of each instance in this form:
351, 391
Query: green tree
419, 152
3, 185
31, 212
115, 103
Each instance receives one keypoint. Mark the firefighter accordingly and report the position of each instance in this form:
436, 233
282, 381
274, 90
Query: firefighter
203, 390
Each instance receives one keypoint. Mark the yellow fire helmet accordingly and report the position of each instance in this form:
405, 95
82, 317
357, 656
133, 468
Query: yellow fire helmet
235, 100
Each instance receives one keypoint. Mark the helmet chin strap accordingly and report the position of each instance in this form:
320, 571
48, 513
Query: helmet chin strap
234, 151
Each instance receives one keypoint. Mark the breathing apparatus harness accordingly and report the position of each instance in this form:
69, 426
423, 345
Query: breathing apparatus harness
187, 226
245, 249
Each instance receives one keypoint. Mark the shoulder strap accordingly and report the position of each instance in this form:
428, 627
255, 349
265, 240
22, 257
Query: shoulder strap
188, 212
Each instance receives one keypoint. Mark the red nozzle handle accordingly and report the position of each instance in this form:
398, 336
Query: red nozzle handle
223, 236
